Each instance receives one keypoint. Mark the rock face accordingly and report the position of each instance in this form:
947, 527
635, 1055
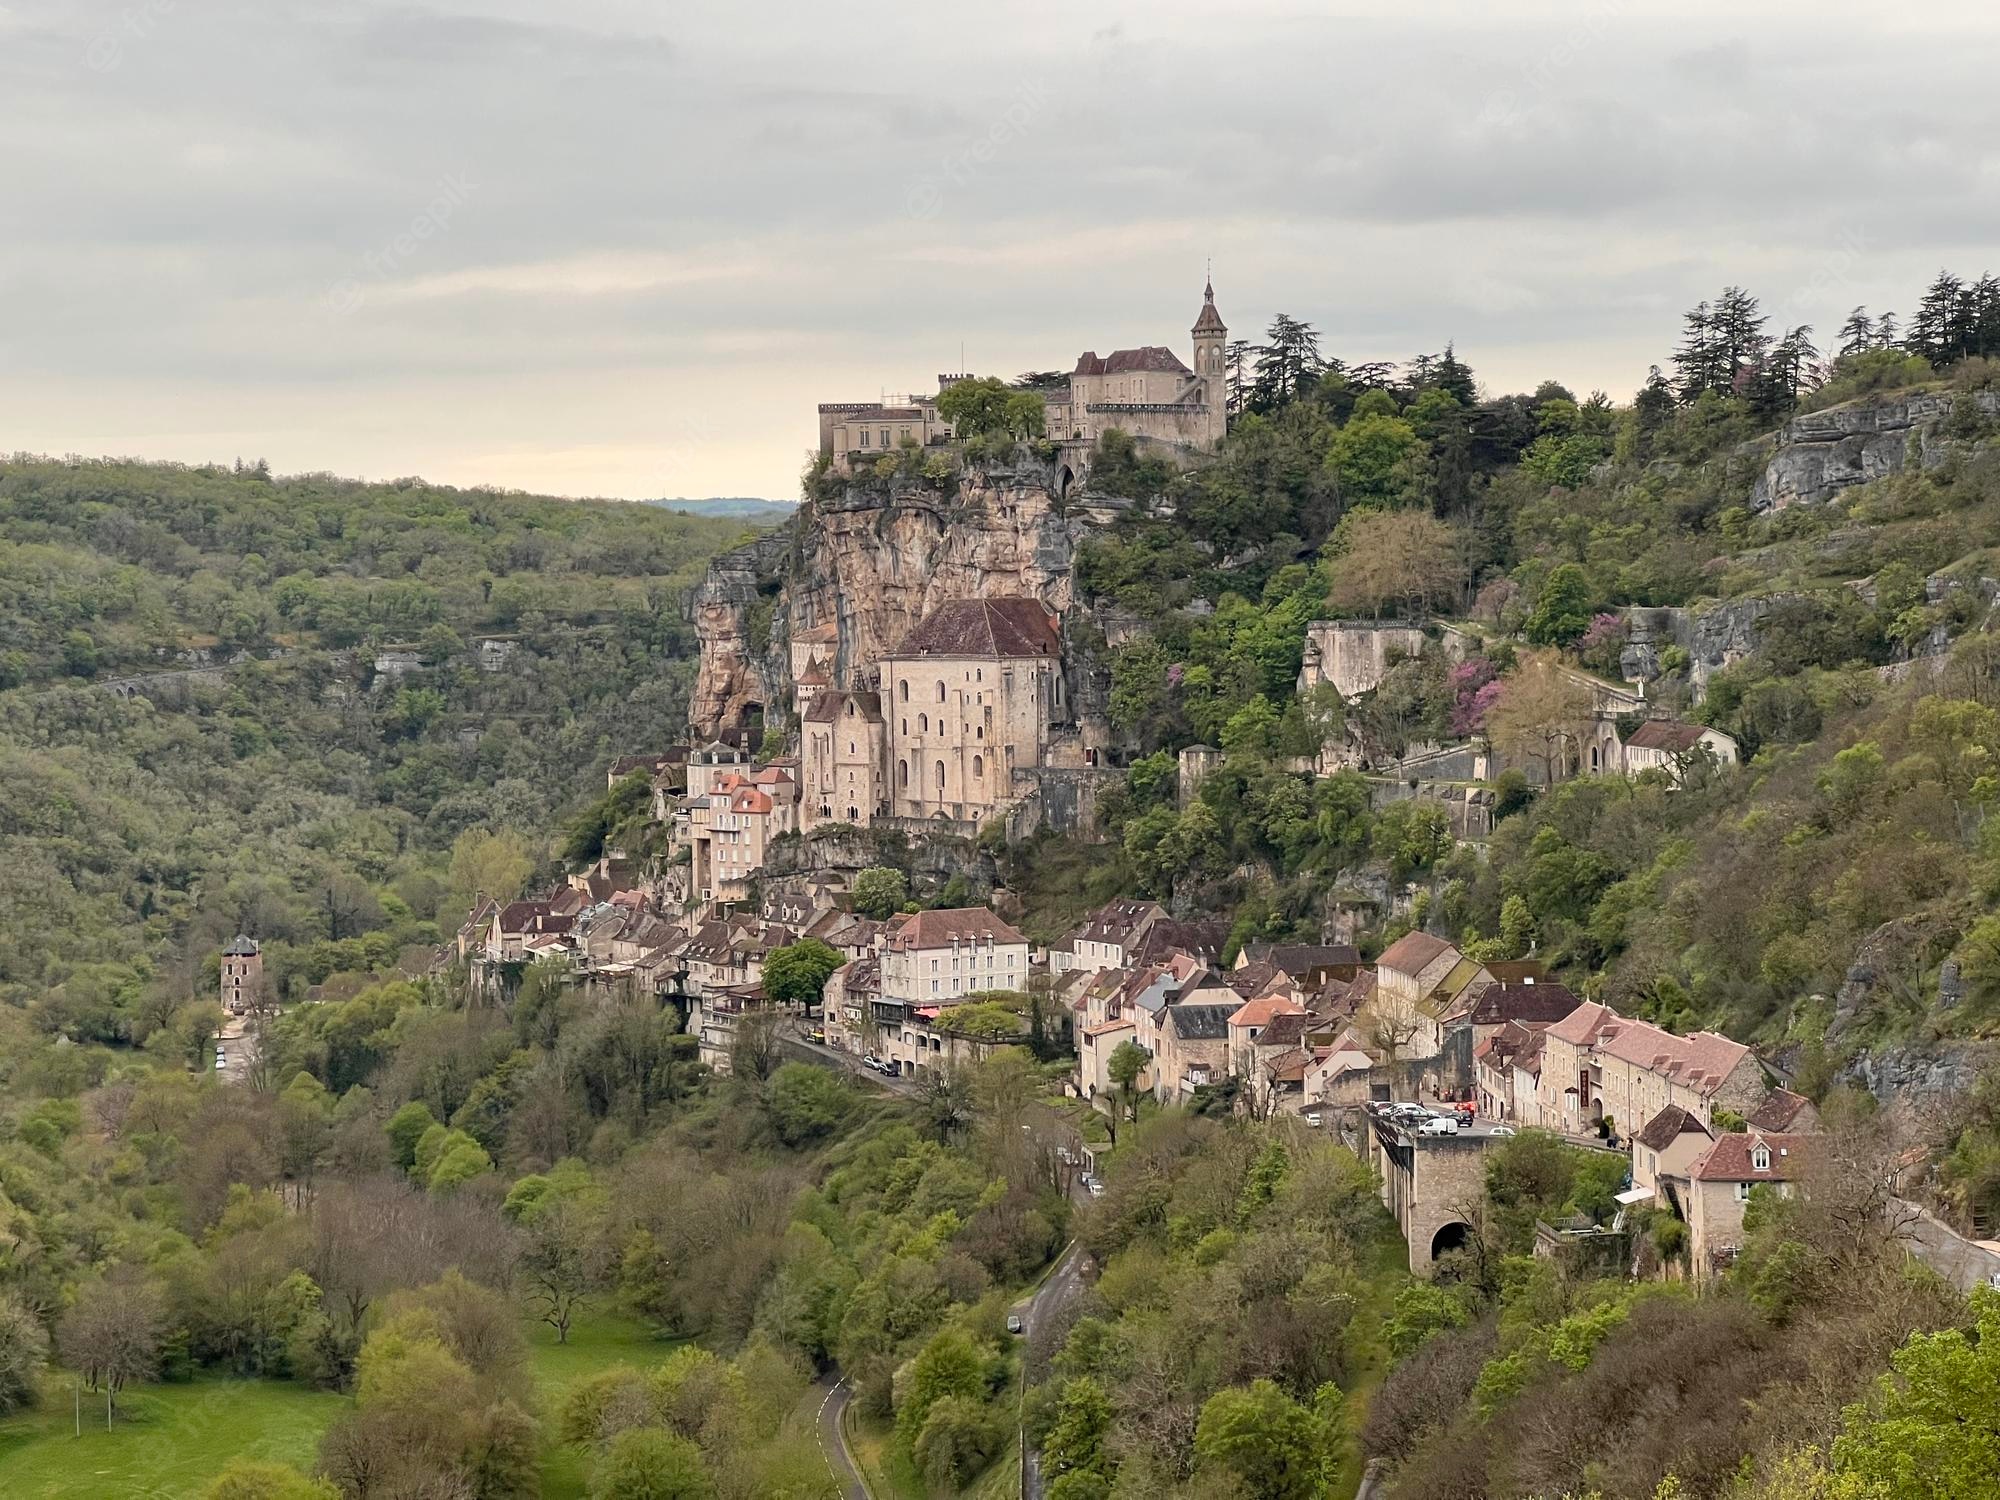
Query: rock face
1715, 637
870, 559
1821, 453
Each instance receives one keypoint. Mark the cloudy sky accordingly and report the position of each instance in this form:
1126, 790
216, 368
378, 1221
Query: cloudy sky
622, 247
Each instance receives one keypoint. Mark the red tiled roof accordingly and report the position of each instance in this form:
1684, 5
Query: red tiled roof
1007, 627
1667, 734
1732, 1158
1412, 953
938, 929
1262, 1012
1780, 1110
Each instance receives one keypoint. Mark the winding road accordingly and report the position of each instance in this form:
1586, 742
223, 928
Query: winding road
1063, 1283
833, 1439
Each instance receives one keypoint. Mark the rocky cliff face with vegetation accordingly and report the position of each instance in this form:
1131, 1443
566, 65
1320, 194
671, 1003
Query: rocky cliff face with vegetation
1818, 454
871, 556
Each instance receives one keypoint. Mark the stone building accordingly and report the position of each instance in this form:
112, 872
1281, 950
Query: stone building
934, 956
1597, 1065
1147, 392
842, 752
242, 976
731, 826
972, 695
1715, 1190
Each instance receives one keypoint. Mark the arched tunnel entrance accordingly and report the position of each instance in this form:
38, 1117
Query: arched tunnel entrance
1453, 1236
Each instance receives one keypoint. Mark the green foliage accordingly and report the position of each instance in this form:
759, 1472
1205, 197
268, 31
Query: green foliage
648, 1463
1563, 609
986, 405
1932, 1428
880, 892
806, 1103
1265, 1441
796, 974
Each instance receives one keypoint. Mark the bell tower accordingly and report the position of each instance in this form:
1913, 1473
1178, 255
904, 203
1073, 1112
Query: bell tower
1211, 338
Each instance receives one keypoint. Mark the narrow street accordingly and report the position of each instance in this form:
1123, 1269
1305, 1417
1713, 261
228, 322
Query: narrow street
1064, 1283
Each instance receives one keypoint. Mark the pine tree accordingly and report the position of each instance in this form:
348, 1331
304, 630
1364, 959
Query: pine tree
1653, 408
1886, 331
1857, 334
1983, 324
1236, 356
1288, 363
1697, 361
1937, 330
1739, 335
1456, 377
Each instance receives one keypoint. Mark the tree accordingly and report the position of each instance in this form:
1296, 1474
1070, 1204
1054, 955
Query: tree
1932, 1430
986, 404
112, 1334
649, 1463
405, 1128
1542, 712
494, 863
797, 974
1271, 1445
806, 1103
565, 1259
880, 892
1073, 1451
1857, 334
1396, 561
1376, 457
24, 1350
255, 1479
1287, 364
1564, 608
1127, 1061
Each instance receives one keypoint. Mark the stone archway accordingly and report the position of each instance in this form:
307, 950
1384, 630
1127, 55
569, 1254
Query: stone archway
1065, 477
1453, 1236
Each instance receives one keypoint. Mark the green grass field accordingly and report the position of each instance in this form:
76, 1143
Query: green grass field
168, 1442
171, 1440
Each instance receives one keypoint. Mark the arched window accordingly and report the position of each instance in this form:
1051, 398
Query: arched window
905, 686
978, 765
940, 776
1761, 1158
940, 690
902, 773
923, 723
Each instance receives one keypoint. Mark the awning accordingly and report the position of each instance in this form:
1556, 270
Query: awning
1634, 1195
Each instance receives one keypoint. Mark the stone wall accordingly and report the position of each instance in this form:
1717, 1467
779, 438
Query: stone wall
1353, 654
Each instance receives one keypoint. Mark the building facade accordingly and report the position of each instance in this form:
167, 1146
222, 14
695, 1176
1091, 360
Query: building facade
930, 957
242, 976
842, 749
970, 696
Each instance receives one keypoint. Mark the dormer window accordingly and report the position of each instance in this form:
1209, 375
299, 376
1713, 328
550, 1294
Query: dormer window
1760, 1157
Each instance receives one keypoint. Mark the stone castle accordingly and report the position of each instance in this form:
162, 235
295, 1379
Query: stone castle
1146, 392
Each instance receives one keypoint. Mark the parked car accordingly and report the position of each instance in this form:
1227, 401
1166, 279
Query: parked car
1314, 1119
1096, 1189
1014, 1323
816, 1035
1408, 1113
1439, 1125
222, 1059
1501, 1130
872, 1062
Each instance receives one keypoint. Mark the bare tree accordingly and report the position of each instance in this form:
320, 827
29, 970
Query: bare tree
112, 1334
565, 1260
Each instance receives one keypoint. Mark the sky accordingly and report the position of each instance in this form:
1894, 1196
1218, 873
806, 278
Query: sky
611, 247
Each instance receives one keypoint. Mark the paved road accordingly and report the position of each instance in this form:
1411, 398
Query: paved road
848, 1062
1062, 1284
833, 1440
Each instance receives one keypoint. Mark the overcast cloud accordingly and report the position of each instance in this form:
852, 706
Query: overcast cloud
611, 247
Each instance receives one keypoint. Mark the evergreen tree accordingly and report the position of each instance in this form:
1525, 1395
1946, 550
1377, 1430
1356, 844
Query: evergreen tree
1288, 363
1937, 331
1697, 361
1739, 335
1455, 378
1887, 330
1653, 409
1236, 356
1983, 322
1857, 334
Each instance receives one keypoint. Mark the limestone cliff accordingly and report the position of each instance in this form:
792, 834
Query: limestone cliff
869, 557
1820, 453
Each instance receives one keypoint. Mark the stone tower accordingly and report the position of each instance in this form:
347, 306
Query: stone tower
242, 976
1211, 339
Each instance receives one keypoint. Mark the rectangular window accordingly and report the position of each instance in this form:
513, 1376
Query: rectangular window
1742, 1192
885, 437
864, 437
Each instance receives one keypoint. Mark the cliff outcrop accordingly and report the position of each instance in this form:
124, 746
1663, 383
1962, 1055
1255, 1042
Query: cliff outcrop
857, 567
1820, 453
